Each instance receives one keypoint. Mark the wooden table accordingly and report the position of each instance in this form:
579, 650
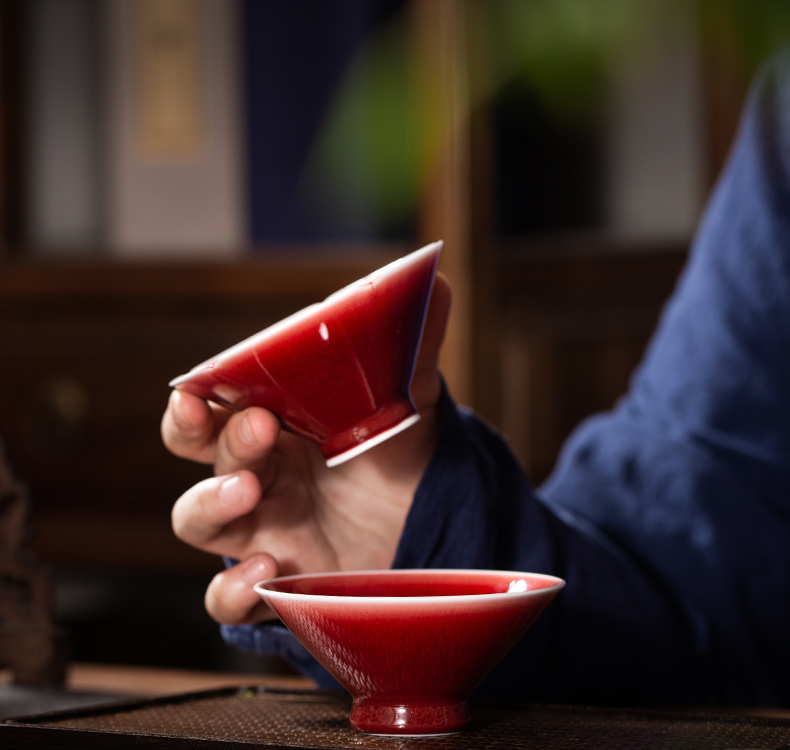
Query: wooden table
94, 684
150, 681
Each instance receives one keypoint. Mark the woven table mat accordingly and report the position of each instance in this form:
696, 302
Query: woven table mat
242, 717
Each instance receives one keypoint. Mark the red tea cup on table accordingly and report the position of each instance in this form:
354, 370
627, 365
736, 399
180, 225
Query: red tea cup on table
410, 645
338, 371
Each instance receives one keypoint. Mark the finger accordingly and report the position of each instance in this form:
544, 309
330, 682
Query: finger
203, 515
426, 383
247, 439
190, 426
230, 597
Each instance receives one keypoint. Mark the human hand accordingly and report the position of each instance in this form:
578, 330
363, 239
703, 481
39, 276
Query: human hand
274, 505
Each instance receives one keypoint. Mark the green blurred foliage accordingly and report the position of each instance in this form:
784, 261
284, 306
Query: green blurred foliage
754, 29
369, 163
365, 163
559, 50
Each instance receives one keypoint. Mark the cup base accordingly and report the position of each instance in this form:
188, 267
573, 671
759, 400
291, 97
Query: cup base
417, 719
381, 426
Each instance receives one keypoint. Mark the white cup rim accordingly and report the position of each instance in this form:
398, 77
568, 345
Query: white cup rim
555, 585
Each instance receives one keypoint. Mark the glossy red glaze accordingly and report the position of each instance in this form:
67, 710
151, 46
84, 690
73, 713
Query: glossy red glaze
409, 646
339, 371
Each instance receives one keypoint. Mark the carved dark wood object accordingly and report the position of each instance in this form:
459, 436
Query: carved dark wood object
32, 647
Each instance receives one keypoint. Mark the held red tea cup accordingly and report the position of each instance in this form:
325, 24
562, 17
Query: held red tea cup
410, 645
338, 371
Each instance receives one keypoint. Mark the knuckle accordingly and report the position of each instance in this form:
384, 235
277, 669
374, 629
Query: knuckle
189, 518
221, 600
228, 600
178, 522
211, 599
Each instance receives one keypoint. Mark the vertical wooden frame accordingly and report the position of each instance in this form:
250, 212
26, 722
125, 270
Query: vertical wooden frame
450, 44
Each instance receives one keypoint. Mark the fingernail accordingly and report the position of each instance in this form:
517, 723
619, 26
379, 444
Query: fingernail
254, 571
245, 431
230, 491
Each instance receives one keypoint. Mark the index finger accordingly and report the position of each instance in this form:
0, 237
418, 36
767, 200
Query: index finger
190, 426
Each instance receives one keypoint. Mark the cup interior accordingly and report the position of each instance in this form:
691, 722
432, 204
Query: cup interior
410, 645
415, 584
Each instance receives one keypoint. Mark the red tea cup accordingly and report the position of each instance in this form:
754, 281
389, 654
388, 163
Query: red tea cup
410, 645
338, 371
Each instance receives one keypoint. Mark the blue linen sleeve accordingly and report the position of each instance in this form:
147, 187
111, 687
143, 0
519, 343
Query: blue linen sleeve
668, 517
690, 474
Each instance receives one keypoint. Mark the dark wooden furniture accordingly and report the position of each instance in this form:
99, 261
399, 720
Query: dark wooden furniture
87, 350
86, 354
575, 316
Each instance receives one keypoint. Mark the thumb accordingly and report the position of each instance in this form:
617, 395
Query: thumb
426, 384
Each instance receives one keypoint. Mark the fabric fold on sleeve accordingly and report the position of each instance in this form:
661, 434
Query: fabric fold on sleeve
691, 472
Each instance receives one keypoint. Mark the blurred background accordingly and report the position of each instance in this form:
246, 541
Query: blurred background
177, 174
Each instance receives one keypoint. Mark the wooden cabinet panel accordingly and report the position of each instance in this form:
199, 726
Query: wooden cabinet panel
576, 317
86, 352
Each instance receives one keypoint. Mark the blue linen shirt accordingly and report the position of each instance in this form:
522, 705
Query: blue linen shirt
669, 517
